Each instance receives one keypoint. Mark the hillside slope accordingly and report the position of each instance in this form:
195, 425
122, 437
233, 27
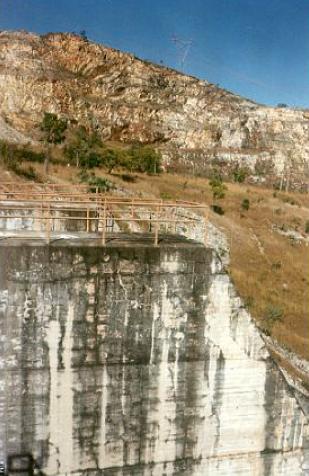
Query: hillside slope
195, 124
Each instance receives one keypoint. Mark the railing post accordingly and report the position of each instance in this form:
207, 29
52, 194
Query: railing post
42, 218
48, 224
175, 225
156, 227
206, 224
104, 224
88, 224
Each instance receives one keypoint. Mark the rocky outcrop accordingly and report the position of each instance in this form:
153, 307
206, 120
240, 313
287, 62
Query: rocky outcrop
138, 361
194, 123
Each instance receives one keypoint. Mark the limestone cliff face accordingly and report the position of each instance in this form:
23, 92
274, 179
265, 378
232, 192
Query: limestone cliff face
138, 361
193, 122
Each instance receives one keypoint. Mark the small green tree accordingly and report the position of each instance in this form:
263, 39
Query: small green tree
144, 159
78, 147
82, 150
53, 129
218, 188
110, 159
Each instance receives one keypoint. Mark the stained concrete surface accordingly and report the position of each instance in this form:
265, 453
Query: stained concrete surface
132, 359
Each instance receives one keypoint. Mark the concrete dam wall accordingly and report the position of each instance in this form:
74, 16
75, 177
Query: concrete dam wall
137, 360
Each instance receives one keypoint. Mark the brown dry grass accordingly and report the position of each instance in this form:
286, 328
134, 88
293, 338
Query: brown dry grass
270, 271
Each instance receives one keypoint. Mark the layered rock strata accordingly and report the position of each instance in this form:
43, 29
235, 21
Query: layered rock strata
195, 124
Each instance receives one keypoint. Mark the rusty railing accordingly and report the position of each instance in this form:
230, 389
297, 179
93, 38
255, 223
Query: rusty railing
48, 206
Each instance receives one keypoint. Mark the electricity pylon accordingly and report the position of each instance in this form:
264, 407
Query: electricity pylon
183, 47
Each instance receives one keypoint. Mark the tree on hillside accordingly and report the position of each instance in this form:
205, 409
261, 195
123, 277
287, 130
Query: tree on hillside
144, 159
218, 189
78, 148
110, 159
84, 148
53, 129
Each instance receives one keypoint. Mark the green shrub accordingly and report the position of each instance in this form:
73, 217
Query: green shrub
100, 184
13, 165
95, 183
307, 226
239, 174
248, 302
217, 209
6, 153
53, 128
111, 158
245, 204
128, 178
90, 160
166, 196
12, 158
218, 188
29, 173
273, 314
30, 155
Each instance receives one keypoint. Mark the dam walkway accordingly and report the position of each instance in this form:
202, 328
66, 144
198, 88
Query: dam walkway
55, 212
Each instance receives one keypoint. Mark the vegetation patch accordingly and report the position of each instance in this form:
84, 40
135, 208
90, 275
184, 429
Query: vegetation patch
240, 174
128, 178
96, 184
272, 315
245, 204
86, 150
217, 209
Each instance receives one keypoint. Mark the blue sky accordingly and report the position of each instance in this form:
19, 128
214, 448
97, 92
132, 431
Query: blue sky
256, 48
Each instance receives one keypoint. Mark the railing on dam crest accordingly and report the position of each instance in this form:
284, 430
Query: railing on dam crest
53, 208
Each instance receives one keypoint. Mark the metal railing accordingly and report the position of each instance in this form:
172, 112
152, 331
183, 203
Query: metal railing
50, 207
